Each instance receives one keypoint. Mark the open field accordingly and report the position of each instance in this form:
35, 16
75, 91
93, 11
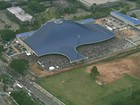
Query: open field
52, 14
76, 87
113, 70
4, 20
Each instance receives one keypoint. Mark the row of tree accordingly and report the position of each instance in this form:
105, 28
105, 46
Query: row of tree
7, 35
4, 4
36, 7
20, 65
22, 98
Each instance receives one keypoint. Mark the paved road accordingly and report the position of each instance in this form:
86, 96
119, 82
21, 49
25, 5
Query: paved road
2, 102
41, 95
2, 67
35, 92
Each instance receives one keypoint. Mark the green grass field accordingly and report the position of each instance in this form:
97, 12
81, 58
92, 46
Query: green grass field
79, 88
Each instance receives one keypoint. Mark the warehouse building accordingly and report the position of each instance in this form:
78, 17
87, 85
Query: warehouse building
20, 14
126, 19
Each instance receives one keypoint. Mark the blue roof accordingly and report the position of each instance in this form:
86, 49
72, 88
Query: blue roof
25, 34
131, 20
64, 37
86, 21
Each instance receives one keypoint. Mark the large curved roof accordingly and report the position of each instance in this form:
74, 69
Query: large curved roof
62, 37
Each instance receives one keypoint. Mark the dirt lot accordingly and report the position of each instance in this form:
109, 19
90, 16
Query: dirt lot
37, 70
42, 72
113, 70
127, 32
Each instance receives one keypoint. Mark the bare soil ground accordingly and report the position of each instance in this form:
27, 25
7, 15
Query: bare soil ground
128, 32
40, 72
37, 70
109, 71
115, 69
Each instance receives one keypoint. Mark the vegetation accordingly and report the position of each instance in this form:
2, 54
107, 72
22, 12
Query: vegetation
4, 5
22, 2
7, 35
78, 88
19, 65
133, 99
137, 1
71, 9
134, 15
22, 98
123, 11
94, 72
36, 7
1, 49
4, 78
22, 30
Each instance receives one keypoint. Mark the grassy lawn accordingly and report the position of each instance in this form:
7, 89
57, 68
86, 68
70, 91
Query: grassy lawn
78, 88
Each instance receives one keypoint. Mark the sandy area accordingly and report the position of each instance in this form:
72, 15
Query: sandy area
113, 70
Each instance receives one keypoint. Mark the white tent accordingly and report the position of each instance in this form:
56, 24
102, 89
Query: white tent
51, 68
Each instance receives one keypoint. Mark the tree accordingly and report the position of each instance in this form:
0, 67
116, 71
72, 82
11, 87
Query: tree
22, 98
134, 15
1, 49
4, 5
36, 6
70, 9
5, 78
19, 65
123, 11
7, 35
94, 71
127, 7
22, 30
